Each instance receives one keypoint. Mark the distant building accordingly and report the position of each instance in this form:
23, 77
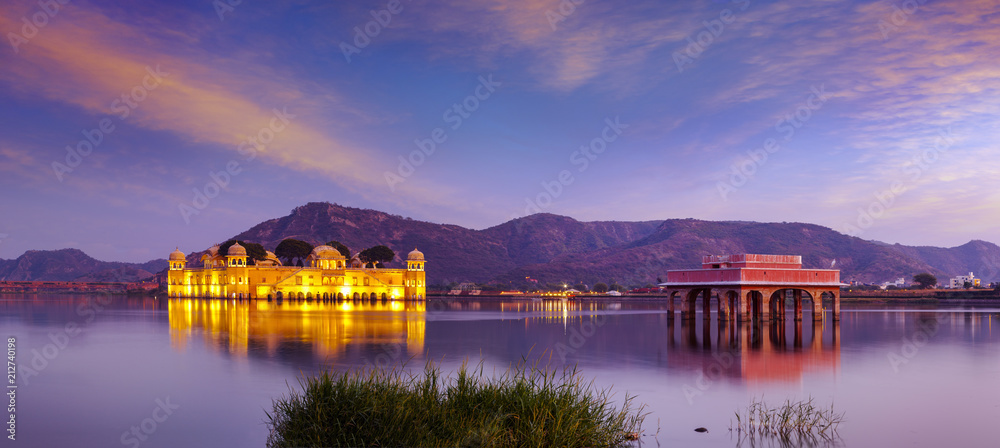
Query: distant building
327, 275
899, 283
465, 289
961, 280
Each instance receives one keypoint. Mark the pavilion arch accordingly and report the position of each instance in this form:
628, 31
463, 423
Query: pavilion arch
340, 297
754, 302
357, 296
689, 302
799, 296
729, 304
672, 297
384, 297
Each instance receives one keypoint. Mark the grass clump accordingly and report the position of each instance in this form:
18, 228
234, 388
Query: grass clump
792, 421
524, 406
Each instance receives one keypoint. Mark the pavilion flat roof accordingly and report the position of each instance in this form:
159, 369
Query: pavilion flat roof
753, 269
754, 283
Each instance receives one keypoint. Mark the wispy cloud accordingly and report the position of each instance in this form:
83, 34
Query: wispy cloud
594, 41
89, 60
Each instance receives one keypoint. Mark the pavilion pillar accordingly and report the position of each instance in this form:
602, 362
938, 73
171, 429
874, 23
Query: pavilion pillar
817, 304
836, 304
797, 299
723, 308
765, 306
706, 304
688, 307
733, 299
779, 307
784, 304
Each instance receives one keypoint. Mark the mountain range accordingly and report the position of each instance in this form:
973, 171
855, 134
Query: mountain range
550, 248
74, 265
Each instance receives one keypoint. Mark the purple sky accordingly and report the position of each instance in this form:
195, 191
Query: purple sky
878, 119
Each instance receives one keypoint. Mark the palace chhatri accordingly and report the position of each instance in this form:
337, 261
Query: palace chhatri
326, 275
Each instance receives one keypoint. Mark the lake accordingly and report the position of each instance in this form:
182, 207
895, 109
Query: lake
99, 371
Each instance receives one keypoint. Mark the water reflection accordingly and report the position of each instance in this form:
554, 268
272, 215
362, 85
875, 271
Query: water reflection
592, 334
756, 352
902, 375
327, 330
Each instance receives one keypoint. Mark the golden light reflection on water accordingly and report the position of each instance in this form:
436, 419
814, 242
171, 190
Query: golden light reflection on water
328, 328
560, 311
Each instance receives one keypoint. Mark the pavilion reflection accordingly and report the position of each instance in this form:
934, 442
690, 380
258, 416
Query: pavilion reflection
756, 352
329, 331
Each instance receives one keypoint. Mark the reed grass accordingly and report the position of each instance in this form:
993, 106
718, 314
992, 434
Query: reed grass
524, 406
799, 420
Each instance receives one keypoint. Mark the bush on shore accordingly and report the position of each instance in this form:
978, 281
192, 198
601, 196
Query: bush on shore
524, 406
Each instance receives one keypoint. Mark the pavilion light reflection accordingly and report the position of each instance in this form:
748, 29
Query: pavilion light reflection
328, 327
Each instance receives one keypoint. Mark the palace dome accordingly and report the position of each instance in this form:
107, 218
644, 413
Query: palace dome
326, 252
236, 250
415, 255
177, 255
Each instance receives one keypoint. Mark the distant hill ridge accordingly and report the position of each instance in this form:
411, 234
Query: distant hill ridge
74, 265
553, 248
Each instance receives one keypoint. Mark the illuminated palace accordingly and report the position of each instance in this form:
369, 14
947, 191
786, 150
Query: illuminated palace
327, 275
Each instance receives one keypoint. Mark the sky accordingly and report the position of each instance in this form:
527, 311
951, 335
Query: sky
130, 128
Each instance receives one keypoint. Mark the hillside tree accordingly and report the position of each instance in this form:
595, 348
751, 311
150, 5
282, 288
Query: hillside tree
293, 252
340, 248
377, 255
925, 280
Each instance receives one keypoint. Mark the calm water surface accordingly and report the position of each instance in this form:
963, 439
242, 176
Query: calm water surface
202, 373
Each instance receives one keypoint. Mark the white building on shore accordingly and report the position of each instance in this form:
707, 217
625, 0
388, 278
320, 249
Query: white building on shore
961, 280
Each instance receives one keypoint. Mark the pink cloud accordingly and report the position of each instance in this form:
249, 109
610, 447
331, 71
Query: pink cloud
88, 60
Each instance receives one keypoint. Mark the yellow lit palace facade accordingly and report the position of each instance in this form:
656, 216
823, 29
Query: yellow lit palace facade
327, 275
